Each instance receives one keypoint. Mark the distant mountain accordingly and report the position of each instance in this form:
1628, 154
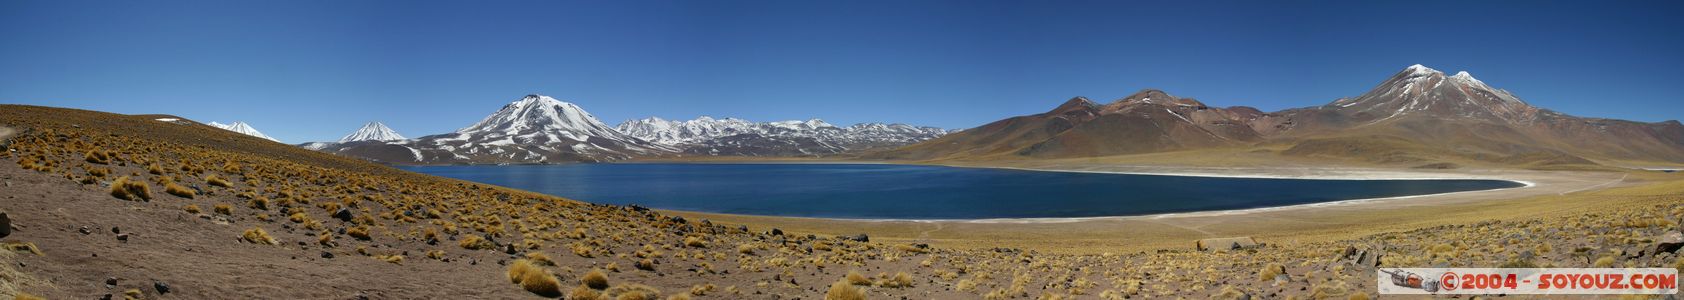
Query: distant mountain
534, 129
1459, 116
242, 128
1148, 121
373, 131
738, 137
1417, 116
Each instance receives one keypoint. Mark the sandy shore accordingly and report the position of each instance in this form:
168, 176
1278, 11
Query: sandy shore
1547, 192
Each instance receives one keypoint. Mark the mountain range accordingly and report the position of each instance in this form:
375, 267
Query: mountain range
540, 129
1418, 116
738, 137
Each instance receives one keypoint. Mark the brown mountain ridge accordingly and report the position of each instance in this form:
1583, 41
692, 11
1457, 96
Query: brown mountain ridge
1419, 116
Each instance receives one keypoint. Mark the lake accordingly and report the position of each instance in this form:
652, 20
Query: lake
882, 191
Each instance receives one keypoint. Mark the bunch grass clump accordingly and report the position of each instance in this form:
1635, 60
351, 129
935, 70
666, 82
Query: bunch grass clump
178, 190
256, 235
475, 242
595, 279
534, 278
844, 290
131, 190
217, 181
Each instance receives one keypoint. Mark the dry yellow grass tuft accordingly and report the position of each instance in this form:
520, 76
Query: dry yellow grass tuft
27, 296
126, 189
530, 276
1604, 262
595, 279
1269, 272
256, 235
900, 280
178, 190
633, 291
695, 242
583, 292
223, 208
855, 278
191, 208
259, 203
21, 247
540, 258
214, 180
844, 290
98, 157
394, 258
359, 232
474, 242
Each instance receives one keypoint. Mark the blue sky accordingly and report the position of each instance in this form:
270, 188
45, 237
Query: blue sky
316, 70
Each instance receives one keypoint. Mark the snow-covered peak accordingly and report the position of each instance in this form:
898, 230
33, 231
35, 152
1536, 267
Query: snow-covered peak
1420, 70
803, 125
242, 128
1464, 77
373, 131
541, 114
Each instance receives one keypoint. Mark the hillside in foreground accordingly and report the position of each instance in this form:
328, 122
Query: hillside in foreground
134, 206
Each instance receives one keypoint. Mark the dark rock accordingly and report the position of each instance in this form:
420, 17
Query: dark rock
509, 248
328, 255
123, 237
85, 230
743, 228
110, 281
1668, 243
161, 287
776, 231
114, 229
5, 225
344, 214
679, 220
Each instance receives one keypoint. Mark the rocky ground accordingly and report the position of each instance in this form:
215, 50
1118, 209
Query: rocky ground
105, 205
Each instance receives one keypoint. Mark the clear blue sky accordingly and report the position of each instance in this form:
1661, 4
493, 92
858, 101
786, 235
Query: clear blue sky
315, 70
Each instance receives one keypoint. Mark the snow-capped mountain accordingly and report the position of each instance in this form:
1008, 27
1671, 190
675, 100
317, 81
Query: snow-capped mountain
242, 128
373, 131
1422, 90
533, 129
738, 137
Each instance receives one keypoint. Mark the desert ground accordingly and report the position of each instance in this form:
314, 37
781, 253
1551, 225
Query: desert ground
104, 205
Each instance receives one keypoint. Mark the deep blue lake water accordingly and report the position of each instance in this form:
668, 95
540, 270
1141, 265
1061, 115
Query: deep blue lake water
870, 191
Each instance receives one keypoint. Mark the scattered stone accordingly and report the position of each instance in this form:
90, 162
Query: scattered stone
5, 225
327, 255
1668, 243
1225, 244
344, 214
778, 232
124, 237
110, 281
114, 229
85, 230
161, 287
